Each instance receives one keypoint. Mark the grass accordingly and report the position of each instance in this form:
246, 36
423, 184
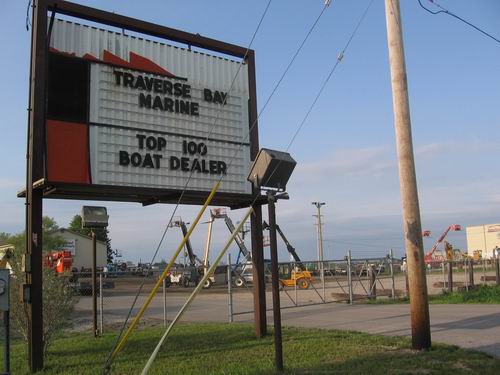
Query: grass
483, 294
233, 349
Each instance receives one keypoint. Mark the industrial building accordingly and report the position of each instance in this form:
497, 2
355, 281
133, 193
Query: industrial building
484, 238
81, 249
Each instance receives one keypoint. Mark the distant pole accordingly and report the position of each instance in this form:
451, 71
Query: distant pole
320, 237
420, 322
94, 283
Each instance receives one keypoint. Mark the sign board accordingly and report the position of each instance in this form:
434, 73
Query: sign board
139, 117
69, 245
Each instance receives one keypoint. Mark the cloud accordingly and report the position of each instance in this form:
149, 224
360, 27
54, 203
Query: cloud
7, 183
350, 162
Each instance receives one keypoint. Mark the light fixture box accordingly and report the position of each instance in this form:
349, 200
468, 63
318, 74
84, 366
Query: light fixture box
271, 169
94, 217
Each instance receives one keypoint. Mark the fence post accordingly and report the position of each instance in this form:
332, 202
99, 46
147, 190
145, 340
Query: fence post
444, 276
471, 273
229, 288
407, 285
373, 282
484, 271
393, 286
497, 270
465, 265
296, 295
101, 305
323, 279
349, 277
450, 276
165, 302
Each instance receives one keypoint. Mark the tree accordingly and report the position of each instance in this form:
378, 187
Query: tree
58, 297
102, 234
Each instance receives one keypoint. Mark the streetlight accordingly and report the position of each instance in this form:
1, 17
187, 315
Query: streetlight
271, 171
320, 236
94, 217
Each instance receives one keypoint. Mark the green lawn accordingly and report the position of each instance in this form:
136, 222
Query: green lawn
483, 294
233, 349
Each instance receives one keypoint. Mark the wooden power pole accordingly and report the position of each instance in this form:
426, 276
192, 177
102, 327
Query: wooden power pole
420, 322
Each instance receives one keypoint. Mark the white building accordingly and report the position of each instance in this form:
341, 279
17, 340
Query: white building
81, 249
483, 237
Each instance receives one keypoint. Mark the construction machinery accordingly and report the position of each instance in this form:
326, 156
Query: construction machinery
61, 262
245, 275
431, 257
6, 252
188, 274
296, 275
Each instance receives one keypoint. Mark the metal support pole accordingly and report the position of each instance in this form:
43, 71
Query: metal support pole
101, 305
450, 276
259, 281
6, 357
278, 348
94, 284
165, 303
349, 276
420, 320
391, 264
229, 288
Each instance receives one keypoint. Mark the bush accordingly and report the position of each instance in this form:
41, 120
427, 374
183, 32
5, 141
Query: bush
58, 297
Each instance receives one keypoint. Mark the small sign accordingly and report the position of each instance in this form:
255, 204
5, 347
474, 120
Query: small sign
493, 228
69, 245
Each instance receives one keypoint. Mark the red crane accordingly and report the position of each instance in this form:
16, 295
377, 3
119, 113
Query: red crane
428, 258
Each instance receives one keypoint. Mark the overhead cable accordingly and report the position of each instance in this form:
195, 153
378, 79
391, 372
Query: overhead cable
109, 359
450, 13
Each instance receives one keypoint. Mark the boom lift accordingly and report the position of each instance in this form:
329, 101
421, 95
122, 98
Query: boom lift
298, 275
189, 274
246, 274
429, 257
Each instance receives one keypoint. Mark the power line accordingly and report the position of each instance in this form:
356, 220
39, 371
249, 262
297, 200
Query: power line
450, 13
325, 82
109, 359
234, 156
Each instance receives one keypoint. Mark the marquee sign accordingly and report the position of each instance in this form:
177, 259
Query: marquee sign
131, 113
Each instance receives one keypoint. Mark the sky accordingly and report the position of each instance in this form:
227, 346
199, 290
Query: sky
346, 151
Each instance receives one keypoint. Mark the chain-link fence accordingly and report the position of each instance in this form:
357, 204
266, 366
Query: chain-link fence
228, 295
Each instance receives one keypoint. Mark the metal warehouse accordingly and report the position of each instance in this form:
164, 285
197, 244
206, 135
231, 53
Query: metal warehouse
484, 238
81, 249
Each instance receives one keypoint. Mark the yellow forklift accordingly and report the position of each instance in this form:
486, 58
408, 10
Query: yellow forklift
291, 275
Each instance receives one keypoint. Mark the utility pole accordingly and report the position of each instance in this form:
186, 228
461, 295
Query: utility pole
319, 236
420, 323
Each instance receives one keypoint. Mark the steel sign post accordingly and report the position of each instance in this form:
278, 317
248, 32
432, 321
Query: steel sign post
35, 174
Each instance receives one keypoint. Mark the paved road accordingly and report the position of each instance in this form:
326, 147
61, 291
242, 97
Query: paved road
469, 326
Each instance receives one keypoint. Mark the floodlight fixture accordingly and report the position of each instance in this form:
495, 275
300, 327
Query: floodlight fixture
271, 169
94, 217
